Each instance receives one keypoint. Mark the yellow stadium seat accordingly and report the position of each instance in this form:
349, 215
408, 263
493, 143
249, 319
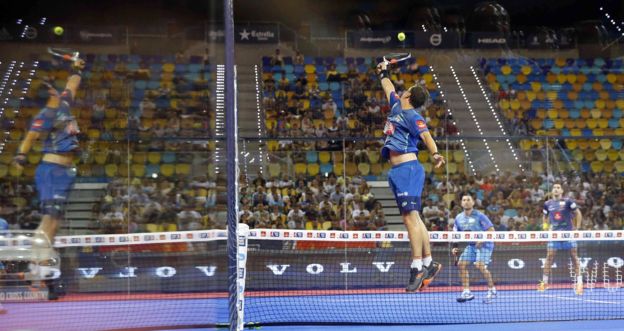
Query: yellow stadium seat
4, 170
376, 169
603, 123
338, 156
138, 170
275, 169
592, 123
559, 124
619, 166
583, 144
458, 156
167, 169
537, 167
577, 155
351, 169
601, 155
338, 169
589, 155
595, 113
423, 156
621, 153
139, 157
183, 169
301, 168
594, 144
605, 144
324, 157
364, 169
452, 167
154, 157
612, 155
111, 170
313, 169
608, 166
374, 156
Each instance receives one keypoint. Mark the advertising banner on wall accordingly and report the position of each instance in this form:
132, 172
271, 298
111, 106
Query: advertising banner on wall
283, 265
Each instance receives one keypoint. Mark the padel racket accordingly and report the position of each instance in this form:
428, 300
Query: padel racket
64, 53
393, 58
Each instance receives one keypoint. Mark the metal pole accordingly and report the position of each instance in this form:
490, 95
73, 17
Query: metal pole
231, 163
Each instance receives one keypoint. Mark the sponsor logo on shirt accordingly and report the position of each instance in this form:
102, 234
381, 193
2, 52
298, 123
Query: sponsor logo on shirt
389, 128
558, 216
421, 124
37, 124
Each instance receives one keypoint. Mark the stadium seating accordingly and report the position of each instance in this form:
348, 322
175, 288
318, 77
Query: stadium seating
564, 97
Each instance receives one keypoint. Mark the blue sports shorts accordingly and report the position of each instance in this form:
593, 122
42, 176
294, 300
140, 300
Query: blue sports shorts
561, 245
473, 254
54, 181
406, 182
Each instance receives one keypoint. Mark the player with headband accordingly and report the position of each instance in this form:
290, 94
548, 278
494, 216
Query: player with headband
405, 127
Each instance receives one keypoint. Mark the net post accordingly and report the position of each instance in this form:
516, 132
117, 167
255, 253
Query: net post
242, 236
231, 129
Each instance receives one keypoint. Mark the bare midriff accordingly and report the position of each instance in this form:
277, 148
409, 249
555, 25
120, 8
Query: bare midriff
62, 159
398, 158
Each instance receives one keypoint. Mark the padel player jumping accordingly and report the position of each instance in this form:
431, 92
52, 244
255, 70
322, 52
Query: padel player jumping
405, 127
58, 129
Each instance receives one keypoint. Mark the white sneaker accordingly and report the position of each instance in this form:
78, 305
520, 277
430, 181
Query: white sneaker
465, 296
491, 295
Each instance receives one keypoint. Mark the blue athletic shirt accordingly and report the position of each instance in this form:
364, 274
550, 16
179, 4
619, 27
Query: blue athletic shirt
560, 214
59, 125
476, 221
402, 129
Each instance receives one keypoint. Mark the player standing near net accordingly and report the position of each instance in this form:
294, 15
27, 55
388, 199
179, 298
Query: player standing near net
479, 253
58, 129
404, 128
561, 215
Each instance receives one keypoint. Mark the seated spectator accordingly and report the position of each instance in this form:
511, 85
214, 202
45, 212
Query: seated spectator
189, 219
299, 59
332, 75
295, 217
276, 59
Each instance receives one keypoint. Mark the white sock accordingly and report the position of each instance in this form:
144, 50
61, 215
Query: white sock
545, 279
427, 261
579, 279
466, 290
417, 263
492, 289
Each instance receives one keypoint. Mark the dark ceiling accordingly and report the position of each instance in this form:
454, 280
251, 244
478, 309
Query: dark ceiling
383, 14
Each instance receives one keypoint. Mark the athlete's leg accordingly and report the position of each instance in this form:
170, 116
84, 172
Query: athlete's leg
415, 228
578, 289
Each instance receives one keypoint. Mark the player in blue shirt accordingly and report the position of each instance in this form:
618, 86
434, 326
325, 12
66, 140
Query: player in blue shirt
561, 215
404, 128
478, 253
58, 129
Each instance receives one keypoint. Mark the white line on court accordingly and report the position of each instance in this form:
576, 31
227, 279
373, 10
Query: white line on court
579, 299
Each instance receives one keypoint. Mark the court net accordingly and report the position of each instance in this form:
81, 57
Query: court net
311, 277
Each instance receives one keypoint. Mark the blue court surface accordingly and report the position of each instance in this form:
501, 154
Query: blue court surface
515, 308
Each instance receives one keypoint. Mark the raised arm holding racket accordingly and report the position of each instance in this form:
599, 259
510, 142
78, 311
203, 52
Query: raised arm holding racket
404, 128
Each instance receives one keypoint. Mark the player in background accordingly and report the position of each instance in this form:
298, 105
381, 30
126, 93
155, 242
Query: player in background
478, 253
561, 215
58, 129
405, 127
